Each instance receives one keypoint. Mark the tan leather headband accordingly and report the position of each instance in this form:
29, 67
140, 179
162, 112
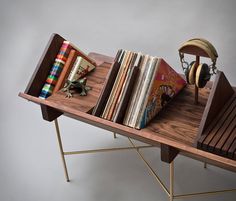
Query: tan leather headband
200, 44
212, 48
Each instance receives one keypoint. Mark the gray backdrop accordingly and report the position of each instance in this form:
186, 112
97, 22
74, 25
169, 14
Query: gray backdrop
30, 166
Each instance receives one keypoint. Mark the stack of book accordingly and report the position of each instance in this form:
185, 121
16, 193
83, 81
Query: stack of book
137, 87
70, 64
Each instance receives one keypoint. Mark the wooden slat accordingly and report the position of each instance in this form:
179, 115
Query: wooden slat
220, 93
215, 121
225, 137
212, 133
228, 143
222, 130
232, 149
200, 140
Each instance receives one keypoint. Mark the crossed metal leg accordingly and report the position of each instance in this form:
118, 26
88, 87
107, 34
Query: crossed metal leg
63, 153
61, 150
169, 192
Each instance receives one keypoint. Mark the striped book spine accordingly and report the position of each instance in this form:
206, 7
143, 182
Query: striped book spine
55, 70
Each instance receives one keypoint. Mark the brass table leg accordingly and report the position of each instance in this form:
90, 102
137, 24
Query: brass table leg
169, 192
150, 168
61, 150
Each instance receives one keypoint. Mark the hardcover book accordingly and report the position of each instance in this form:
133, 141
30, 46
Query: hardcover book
65, 71
109, 82
80, 68
57, 74
137, 88
56, 69
120, 86
164, 87
115, 88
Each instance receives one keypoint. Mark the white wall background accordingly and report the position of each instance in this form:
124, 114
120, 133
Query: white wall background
30, 166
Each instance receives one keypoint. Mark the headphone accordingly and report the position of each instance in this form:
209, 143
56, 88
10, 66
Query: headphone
198, 74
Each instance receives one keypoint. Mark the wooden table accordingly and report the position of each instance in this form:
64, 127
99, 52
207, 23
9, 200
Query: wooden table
175, 129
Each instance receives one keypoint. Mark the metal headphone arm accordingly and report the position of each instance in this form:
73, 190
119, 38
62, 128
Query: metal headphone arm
185, 65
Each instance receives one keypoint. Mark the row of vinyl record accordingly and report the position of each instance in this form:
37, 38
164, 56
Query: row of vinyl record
137, 87
70, 64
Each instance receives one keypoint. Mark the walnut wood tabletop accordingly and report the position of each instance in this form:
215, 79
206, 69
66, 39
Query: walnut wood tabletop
176, 126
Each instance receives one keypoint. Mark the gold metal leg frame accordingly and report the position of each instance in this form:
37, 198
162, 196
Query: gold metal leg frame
169, 192
63, 153
149, 168
61, 150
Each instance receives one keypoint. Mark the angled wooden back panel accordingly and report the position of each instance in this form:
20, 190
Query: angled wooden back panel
217, 131
44, 65
220, 94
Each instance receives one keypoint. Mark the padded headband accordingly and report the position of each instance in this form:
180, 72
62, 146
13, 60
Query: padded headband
204, 45
212, 48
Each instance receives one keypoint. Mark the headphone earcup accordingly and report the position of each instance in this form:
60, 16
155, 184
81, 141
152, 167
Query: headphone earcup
202, 75
187, 74
192, 73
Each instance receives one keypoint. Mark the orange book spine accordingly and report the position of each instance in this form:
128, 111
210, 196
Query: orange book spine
119, 88
66, 70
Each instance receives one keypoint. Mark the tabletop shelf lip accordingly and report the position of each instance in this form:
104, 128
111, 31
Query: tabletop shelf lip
143, 135
162, 130
171, 128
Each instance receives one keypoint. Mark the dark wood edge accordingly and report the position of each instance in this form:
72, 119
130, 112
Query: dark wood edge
100, 59
141, 135
49, 113
208, 108
50, 45
47, 59
168, 153
206, 111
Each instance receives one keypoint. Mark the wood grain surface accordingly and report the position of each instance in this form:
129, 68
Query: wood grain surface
44, 65
220, 135
175, 126
181, 118
95, 80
